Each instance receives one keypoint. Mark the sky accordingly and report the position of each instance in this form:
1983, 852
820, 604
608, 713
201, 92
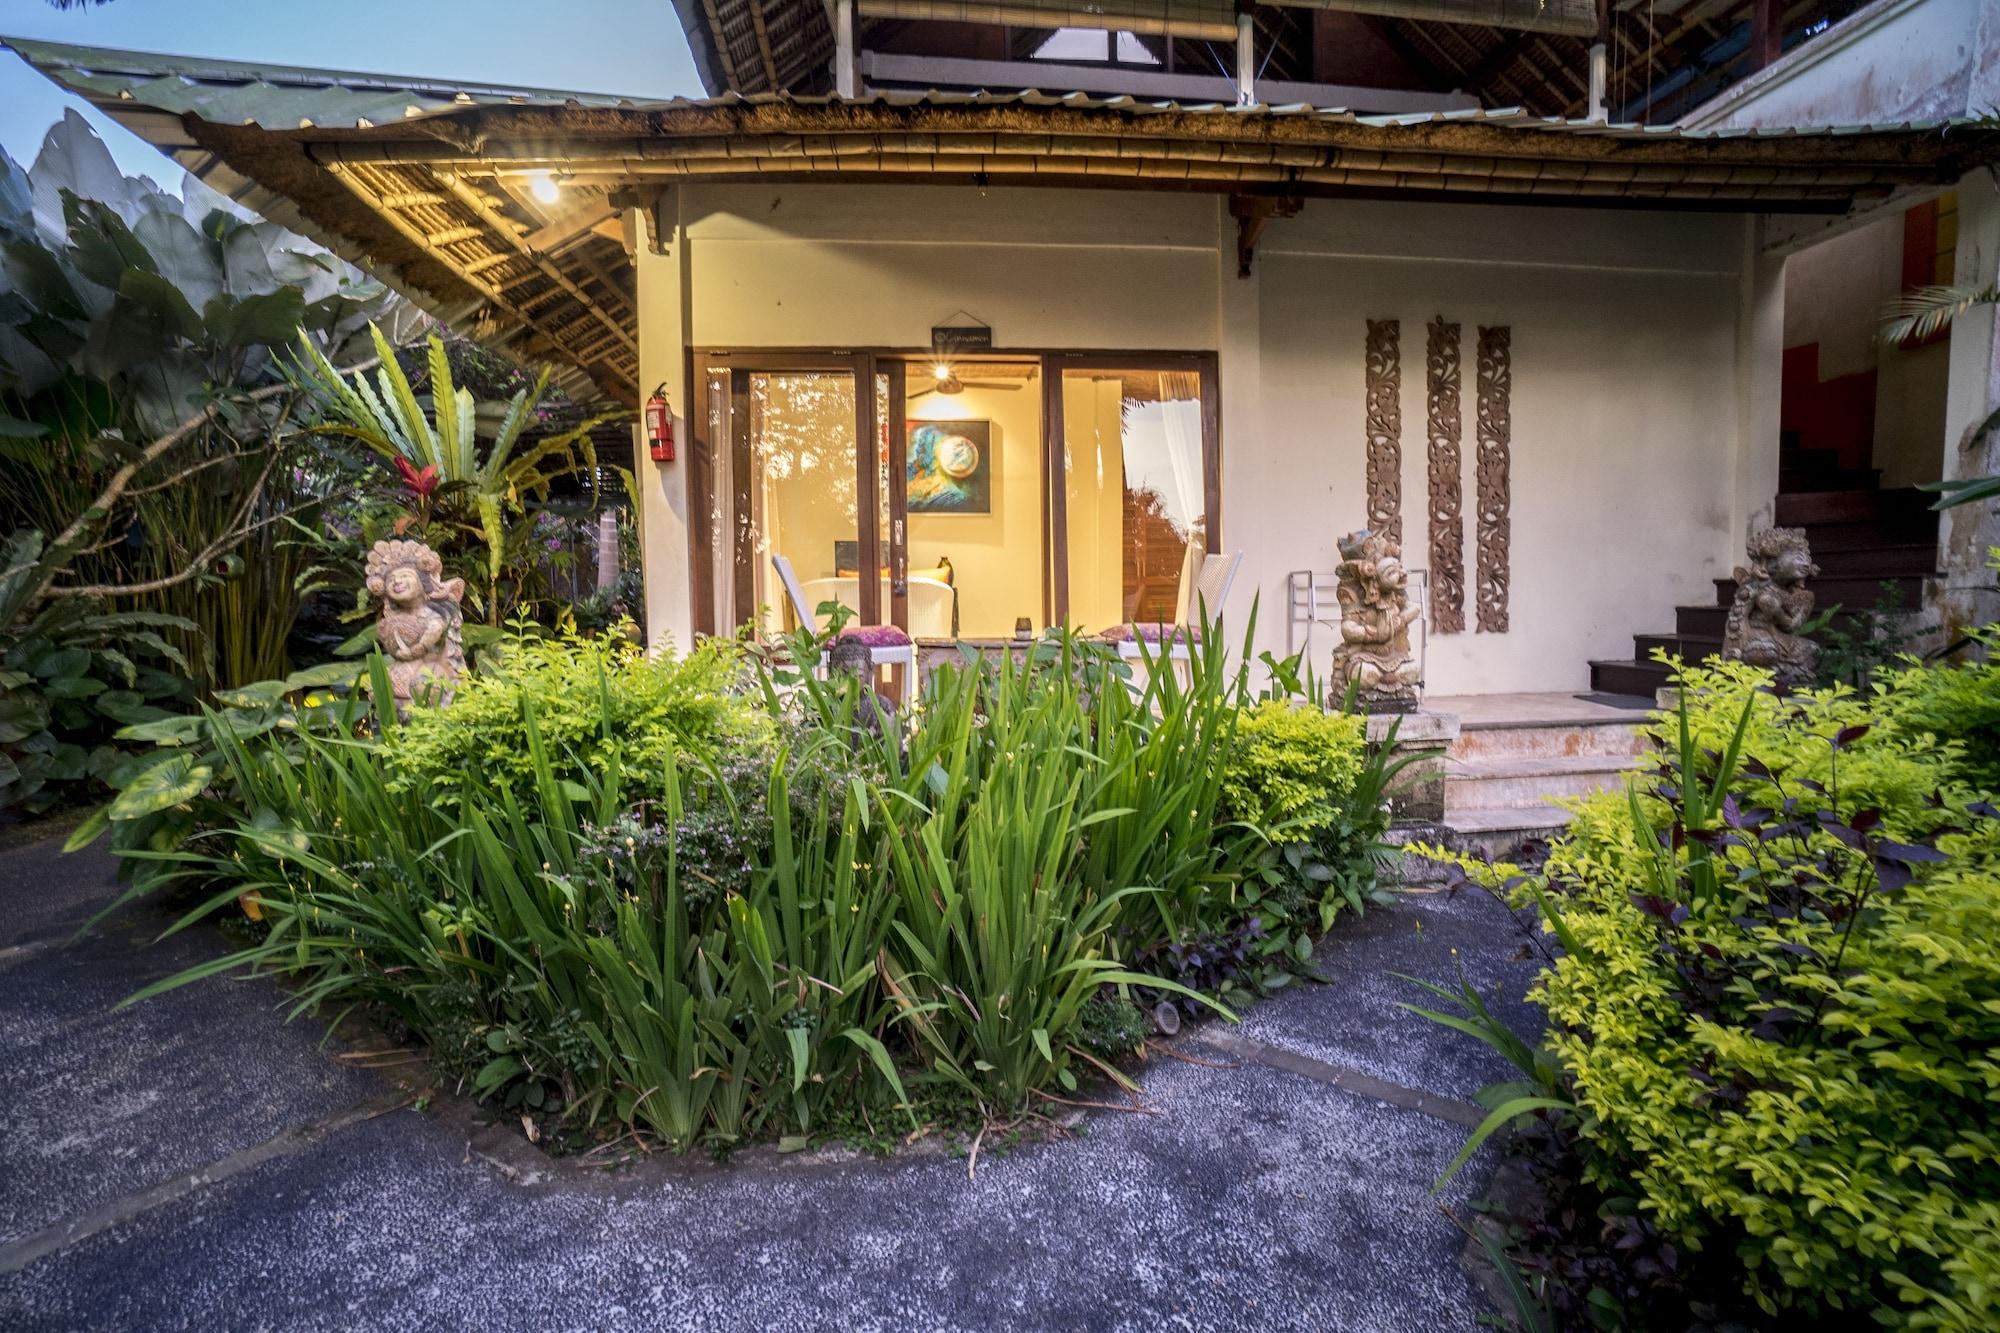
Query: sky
634, 47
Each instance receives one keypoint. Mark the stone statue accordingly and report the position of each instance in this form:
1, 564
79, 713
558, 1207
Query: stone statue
1375, 616
420, 624
874, 714
1772, 602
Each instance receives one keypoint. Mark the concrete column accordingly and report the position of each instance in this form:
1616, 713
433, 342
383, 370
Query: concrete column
1246, 60
663, 298
1240, 384
1972, 392
1760, 356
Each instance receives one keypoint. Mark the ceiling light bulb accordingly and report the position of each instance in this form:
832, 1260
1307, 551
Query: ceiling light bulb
940, 371
542, 184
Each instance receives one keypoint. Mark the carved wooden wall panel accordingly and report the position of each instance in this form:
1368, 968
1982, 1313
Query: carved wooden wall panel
1384, 368
1447, 498
1495, 432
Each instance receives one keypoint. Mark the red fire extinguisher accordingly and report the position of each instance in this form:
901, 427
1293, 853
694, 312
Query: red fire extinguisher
660, 426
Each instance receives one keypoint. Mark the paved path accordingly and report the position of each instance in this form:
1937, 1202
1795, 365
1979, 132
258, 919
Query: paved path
196, 1162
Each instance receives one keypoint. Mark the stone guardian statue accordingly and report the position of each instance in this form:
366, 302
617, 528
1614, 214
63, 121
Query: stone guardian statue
1375, 618
421, 623
1772, 603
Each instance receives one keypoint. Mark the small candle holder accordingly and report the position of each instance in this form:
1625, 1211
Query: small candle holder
1024, 628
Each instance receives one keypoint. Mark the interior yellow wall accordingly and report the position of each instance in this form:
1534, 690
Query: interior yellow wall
996, 558
1095, 497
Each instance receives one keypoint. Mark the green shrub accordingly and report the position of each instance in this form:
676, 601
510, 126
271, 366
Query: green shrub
1292, 768
1777, 1011
1956, 703
589, 697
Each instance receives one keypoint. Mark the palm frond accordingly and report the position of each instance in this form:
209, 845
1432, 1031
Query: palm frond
1919, 313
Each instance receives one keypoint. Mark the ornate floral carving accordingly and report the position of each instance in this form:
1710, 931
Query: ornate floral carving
1495, 432
1375, 615
1447, 498
420, 624
1384, 366
1771, 603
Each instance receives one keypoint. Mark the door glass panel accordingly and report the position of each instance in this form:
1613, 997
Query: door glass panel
796, 492
1133, 491
973, 479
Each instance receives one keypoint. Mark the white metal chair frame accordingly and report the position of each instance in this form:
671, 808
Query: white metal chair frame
892, 654
1210, 591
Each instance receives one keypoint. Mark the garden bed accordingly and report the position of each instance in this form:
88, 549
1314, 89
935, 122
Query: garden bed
711, 902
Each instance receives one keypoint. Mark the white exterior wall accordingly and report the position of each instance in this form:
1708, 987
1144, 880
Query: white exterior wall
1891, 61
1633, 412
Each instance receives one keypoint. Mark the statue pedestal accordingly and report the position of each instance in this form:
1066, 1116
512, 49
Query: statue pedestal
1417, 795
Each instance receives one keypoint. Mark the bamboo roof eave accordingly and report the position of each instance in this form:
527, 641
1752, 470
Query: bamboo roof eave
430, 197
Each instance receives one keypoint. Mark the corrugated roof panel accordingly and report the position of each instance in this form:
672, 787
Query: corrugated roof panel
287, 97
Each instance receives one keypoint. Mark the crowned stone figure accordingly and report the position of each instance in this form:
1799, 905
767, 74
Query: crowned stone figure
420, 624
1772, 603
1375, 616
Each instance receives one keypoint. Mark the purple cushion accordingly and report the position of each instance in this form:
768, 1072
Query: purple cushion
1153, 632
877, 636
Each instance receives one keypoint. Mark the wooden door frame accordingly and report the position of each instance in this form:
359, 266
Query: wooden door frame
864, 364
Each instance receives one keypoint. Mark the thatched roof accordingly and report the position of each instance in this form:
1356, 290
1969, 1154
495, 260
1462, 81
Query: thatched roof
430, 185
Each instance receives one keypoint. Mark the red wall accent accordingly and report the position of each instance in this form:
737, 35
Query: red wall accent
1837, 414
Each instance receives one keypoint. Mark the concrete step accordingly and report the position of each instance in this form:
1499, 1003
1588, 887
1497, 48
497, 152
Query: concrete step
1687, 647
1805, 480
1920, 528
1518, 783
1627, 677
1701, 622
1593, 738
1882, 561
1848, 506
1850, 593
1499, 833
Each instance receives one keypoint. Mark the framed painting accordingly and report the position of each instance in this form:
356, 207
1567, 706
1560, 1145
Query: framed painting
950, 467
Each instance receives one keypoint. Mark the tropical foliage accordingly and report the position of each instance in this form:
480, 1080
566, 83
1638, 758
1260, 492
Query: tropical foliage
149, 469
1775, 1005
459, 492
711, 899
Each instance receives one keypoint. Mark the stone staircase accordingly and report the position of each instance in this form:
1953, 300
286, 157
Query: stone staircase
1862, 537
1503, 771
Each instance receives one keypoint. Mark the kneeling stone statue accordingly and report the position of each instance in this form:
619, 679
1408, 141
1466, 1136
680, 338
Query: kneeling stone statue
1375, 617
421, 622
1772, 602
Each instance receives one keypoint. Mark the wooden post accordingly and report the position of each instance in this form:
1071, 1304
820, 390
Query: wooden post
1767, 33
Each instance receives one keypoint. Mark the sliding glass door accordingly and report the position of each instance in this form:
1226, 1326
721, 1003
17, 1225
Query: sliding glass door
958, 499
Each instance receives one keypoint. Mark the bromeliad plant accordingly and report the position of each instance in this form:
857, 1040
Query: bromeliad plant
459, 491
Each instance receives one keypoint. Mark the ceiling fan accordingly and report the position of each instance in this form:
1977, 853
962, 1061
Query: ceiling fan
945, 380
